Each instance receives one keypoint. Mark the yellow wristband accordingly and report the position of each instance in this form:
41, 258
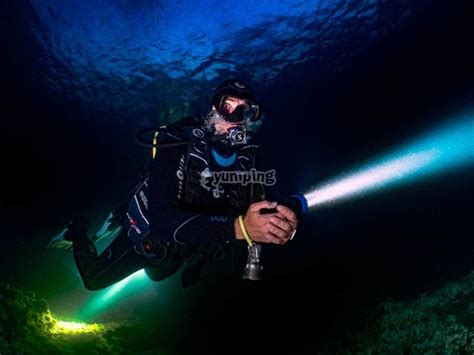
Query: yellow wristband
244, 231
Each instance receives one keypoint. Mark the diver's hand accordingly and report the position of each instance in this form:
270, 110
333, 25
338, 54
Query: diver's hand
276, 228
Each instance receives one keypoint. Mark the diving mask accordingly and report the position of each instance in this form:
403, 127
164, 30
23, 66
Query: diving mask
249, 111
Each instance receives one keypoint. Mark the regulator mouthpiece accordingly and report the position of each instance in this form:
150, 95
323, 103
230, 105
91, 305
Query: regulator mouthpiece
235, 137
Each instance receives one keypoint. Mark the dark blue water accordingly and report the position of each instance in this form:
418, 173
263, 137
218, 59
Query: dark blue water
340, 81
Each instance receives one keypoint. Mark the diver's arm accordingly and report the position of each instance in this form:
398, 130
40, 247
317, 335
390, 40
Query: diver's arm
171, 222
275, 228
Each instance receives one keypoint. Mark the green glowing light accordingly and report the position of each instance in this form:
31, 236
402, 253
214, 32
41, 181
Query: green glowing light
101, 300
119, 286
63, 327
75, 328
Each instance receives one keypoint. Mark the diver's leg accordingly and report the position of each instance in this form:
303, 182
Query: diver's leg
116, 262
160, 272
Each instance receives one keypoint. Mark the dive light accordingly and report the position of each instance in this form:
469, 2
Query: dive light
297, 203
253, 268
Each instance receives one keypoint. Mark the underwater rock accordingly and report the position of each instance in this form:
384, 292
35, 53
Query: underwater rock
440, 321
27, 326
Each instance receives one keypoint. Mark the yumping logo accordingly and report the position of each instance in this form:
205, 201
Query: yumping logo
253, 176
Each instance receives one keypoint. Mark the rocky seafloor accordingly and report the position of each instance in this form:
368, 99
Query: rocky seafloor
439, 321
27, 326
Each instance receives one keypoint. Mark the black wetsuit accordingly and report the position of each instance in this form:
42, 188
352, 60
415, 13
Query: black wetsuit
175, 211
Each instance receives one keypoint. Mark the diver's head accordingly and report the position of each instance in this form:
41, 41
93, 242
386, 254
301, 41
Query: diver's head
234, 116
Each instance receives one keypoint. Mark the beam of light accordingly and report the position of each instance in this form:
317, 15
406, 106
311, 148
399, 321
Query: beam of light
445, 148
119, 286
101, 300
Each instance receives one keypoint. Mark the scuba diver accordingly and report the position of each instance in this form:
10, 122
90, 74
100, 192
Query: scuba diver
178, 213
